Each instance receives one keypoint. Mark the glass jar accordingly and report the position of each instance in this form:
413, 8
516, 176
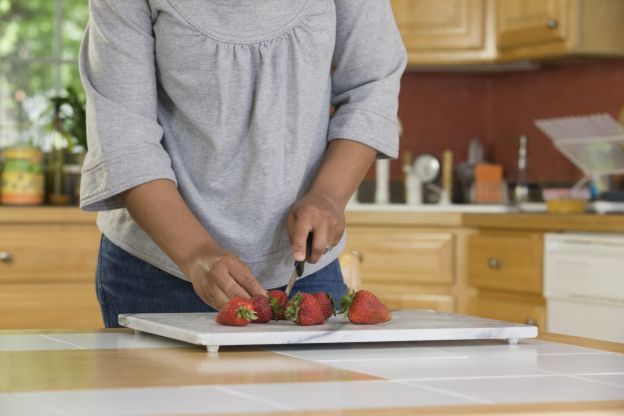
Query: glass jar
22, 176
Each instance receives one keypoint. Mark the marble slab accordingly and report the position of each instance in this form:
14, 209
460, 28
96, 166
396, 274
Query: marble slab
406, 325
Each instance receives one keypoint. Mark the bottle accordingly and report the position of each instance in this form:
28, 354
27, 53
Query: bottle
382, 178
521, 190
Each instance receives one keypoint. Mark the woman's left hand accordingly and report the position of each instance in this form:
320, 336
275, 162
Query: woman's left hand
320, 215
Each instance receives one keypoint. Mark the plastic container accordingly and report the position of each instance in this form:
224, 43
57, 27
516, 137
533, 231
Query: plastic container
22, 176
566, 201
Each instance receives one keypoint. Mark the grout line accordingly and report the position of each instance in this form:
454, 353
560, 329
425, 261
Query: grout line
608, 383
447, 392
338, 360
80, 347
473, 377
577, 353
255, 398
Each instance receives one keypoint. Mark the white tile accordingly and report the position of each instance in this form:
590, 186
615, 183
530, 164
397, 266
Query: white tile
453, 366
116, 340
525, 346
366, 351
613, 379
32, 342
530, 389
347, 395
150, 401
581, 363
13, 405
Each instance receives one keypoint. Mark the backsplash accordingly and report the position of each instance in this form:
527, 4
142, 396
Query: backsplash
445, 111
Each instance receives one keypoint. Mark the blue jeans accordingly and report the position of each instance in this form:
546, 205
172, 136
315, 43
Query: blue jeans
127, 284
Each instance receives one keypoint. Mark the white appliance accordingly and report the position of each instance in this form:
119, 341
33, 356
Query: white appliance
584, 285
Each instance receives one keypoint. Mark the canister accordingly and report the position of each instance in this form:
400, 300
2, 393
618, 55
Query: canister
22, 176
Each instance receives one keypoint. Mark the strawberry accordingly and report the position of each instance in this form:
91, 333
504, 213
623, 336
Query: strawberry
263, 309
364, 308
327, 303
278, 300
304, 309
238, 311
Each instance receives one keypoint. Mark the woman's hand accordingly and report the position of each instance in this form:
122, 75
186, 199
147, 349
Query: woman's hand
219, 275
321, 215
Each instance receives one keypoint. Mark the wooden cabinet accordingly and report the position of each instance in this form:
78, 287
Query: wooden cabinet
418, 267
439, 31
47, 271
507, 261
403, 255
530, 22
534, 29
506, 268
513, 307
447, 32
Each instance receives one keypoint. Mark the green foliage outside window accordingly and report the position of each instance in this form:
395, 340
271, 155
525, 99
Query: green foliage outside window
39, 44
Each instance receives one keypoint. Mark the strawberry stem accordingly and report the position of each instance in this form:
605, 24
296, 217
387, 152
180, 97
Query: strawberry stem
346, 301
245, 313
292, 309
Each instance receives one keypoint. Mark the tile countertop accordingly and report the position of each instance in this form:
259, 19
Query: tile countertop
114, 372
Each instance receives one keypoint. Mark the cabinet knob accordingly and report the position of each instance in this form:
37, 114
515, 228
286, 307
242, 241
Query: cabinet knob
531, 321
5, 257
552, 23
494, 263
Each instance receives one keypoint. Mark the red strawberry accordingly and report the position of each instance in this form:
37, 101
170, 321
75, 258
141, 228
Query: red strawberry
278, 300
263, 309
304, 309
237, 312
326, 302
364, 308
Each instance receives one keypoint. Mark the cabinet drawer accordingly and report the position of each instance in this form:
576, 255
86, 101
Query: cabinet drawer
38, 253
405, 297
46, 306
508, 261
403, 254
510, 307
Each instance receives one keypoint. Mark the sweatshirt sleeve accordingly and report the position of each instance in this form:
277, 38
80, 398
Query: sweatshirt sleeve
117, 67
369, 59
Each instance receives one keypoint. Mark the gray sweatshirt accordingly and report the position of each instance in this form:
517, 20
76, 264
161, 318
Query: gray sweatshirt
230, 99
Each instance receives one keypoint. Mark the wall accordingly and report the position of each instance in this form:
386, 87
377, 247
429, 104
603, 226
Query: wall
441, 111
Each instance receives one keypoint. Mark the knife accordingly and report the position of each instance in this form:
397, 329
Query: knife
299, 265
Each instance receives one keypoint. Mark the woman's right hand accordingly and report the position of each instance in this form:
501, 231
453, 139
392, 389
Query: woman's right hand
219, 275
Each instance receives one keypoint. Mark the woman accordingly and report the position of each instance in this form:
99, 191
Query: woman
212, 150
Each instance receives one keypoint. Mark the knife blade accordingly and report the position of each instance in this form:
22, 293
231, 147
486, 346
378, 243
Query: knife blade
299, 266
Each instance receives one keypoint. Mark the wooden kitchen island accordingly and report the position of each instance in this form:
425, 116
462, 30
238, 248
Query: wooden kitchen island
115, 372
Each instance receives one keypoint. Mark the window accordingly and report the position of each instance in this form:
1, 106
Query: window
39, 43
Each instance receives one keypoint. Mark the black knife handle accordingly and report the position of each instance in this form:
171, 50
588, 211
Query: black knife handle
299, 265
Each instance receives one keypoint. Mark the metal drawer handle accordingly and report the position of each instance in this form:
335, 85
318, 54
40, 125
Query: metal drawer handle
552, 23
494, 263
5, 257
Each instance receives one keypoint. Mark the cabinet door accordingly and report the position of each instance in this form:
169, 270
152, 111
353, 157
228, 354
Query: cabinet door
440, 24
403, 255
49, 305
532, 22
523, 309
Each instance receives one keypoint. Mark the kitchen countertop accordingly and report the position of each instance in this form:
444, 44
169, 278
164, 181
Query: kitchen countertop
116, 372
368, 214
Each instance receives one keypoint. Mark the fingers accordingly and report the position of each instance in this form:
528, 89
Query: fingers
302, 228
319, 243
227, 277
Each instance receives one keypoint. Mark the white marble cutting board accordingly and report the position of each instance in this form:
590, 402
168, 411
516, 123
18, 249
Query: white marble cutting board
406, 325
